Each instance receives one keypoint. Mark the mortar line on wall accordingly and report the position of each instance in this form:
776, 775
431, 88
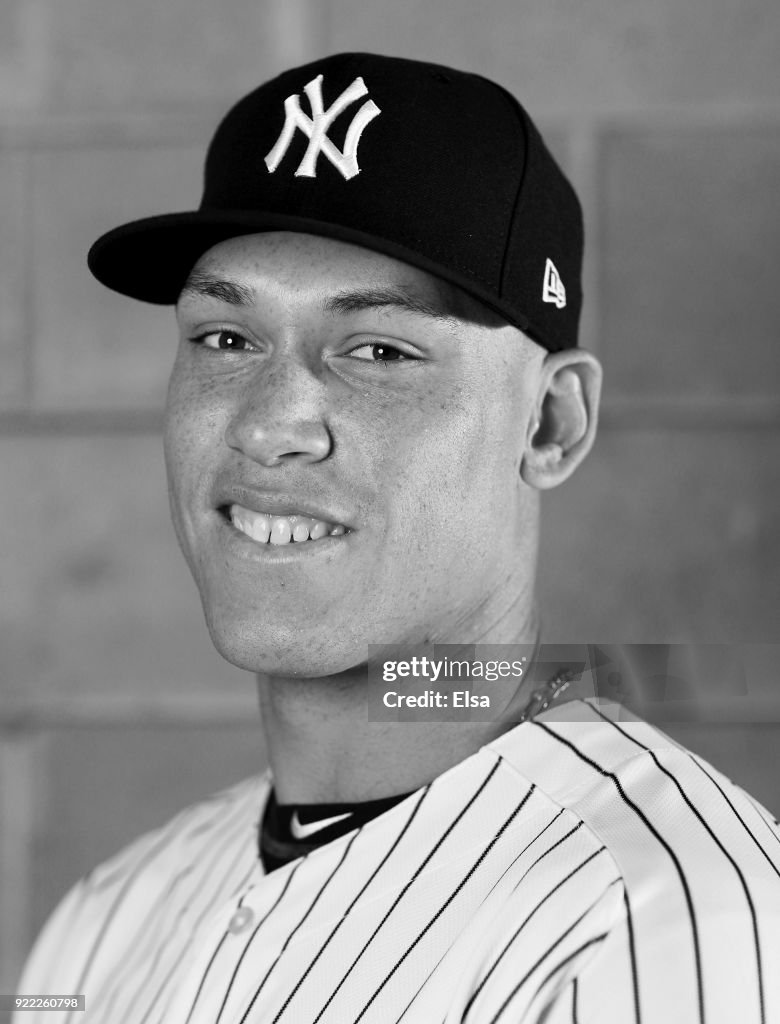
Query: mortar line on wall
19, 792
28, 271
81, 423
96, 710
293, 30
584, 155
691, 412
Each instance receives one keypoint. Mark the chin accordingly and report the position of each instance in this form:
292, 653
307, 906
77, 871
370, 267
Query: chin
295, 652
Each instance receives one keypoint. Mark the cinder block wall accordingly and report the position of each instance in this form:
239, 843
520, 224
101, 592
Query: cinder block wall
114, 710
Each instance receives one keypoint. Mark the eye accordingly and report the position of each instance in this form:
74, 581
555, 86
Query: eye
380, 352
224, 340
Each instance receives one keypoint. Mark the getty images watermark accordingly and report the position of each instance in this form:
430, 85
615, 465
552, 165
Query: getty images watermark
495, 682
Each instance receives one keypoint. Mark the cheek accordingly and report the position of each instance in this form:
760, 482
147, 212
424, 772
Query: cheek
194, 429
460, 457
447, 484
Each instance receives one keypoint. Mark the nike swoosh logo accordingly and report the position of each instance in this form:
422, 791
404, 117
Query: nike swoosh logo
301, 831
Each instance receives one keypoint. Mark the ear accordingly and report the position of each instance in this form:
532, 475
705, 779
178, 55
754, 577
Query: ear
563, 427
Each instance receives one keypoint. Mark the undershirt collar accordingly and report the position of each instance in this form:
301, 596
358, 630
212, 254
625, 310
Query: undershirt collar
289, 831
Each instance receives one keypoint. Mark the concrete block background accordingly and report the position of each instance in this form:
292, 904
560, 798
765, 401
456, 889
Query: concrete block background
114, 709
666, 536
15, 343
129, 781
600, 56
91, 351
691, 233
96, 600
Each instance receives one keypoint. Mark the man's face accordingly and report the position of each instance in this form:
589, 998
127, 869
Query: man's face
312, 381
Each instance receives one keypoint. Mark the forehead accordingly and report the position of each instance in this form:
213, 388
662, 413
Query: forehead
299, 262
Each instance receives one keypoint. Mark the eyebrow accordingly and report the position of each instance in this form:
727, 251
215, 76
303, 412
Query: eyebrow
235, 294
231, 292
385, 298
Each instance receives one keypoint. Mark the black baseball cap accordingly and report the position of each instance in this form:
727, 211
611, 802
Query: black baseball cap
436, 167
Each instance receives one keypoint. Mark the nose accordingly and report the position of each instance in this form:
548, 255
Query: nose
281, 416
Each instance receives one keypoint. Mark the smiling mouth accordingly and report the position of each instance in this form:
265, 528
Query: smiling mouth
281, 529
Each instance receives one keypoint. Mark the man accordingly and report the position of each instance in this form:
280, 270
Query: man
377, 375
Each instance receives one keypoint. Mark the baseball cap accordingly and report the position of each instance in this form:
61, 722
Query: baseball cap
440, 168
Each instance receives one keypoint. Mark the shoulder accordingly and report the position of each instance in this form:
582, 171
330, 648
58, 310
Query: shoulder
106, 905
691, 924
634, 786
183, 841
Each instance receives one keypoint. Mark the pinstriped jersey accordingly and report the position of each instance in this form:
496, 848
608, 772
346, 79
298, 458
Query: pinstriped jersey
583, 868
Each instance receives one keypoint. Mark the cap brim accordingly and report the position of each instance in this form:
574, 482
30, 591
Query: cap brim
150, 259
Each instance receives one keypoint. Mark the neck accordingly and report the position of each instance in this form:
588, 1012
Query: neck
323, 748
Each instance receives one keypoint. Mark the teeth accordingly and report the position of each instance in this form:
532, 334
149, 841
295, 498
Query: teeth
318, 529
282, 529
258, 528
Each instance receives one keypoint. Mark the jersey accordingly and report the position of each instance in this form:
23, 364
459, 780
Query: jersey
582, 868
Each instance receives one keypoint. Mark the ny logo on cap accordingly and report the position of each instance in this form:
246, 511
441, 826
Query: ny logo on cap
552, 288
316, 128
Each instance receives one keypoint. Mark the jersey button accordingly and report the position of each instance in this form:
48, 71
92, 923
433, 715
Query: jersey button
241, 920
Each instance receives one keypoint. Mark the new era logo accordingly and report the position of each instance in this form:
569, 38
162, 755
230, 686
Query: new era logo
316, 128
552, 289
